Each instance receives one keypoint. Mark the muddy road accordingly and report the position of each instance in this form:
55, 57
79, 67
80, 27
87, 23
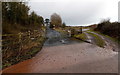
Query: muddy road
61, 54
55, 38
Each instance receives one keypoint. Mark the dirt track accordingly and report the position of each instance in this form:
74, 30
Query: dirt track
74, 58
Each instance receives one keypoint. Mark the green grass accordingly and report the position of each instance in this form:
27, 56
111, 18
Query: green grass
99, 41
111, 38
81, 36
7, 64
61, 30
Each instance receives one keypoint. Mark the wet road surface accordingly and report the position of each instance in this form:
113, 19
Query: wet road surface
61, 57
55, 38
73, 58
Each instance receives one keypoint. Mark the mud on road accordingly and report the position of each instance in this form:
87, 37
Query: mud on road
56, 57
55, 38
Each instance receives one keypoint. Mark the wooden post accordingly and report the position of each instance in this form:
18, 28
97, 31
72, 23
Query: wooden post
81, 29
20, 36
20, 46
29, 34
69, 33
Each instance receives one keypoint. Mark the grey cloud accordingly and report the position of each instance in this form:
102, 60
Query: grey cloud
72, 13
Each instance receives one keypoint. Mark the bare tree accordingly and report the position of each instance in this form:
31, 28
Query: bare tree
56, 20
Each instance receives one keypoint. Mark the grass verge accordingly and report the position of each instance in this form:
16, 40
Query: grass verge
99, 41
14, 51
63, 31
81, 36
111, 38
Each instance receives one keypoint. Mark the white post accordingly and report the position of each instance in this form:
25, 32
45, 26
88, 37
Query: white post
69, 33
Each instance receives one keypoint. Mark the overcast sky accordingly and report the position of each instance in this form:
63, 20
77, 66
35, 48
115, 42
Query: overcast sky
77, 12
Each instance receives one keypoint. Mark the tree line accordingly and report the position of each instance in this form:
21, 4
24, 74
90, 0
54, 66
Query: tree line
16, 17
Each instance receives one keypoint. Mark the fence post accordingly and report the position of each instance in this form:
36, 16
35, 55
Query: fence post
69, 31
81, 29
20, 35
29, 34
20, 47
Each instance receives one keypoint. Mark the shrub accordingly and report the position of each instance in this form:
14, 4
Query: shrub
108, 28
